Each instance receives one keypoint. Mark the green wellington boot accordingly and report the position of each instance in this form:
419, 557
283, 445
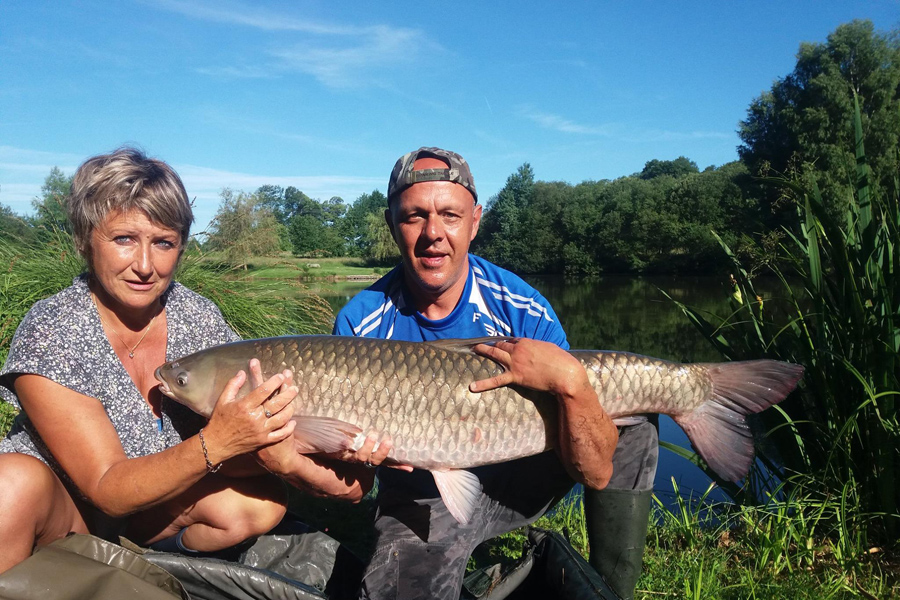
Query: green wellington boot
617, 531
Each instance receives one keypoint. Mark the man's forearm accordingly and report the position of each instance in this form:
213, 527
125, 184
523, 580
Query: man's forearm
587, 438
324, 478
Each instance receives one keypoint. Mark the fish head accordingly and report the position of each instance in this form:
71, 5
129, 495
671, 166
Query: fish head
197, 381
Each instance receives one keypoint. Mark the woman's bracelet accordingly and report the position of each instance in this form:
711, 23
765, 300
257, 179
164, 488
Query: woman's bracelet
209, 466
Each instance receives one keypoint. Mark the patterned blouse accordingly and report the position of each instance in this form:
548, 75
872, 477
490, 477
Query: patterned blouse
61, 338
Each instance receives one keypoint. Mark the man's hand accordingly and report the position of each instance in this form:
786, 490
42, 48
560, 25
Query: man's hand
587, 436
372, 453
533, 364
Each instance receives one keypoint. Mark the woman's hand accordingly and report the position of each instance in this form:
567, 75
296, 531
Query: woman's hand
533, 364
260, 418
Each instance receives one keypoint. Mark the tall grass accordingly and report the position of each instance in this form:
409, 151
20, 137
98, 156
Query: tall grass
36, 270
839, 315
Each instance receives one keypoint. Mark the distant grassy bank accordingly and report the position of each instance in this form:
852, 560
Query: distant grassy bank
288, 267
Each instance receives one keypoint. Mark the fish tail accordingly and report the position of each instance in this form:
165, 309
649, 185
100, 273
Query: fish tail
718, 428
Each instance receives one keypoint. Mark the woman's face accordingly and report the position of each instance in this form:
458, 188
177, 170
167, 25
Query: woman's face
133, 259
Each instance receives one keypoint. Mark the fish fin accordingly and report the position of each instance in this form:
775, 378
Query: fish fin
629, 420
460, 490
323, 434
465, 345
718, 428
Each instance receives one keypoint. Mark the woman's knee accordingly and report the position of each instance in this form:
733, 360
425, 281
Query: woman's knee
42, 507
248, 508
260, 511
27, 483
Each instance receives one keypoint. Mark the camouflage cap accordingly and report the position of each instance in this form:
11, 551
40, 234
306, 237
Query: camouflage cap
404, 176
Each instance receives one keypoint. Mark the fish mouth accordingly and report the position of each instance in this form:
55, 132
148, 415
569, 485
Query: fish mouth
163, 385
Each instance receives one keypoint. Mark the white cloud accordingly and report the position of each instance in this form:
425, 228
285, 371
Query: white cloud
251, 16
337, 55
618, 131
558, 123
343, 64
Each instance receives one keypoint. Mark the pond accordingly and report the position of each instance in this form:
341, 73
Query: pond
628, 313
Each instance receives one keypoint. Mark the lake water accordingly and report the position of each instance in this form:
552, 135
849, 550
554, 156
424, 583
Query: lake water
631, 314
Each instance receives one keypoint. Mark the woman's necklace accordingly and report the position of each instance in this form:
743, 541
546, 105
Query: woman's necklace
133, 348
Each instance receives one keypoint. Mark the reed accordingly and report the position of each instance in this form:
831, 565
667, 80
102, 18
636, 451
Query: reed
838, 314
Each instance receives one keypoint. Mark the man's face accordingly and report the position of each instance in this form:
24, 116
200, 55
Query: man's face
433, 224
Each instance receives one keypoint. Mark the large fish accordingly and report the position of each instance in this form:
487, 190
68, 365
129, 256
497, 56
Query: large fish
418, 393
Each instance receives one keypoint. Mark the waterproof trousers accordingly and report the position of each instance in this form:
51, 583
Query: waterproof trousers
422, 551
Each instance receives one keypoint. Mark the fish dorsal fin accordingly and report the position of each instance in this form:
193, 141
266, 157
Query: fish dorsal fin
460, 491
323, 434
466, 344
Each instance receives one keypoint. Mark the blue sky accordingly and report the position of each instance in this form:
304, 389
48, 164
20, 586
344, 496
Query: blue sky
325, 95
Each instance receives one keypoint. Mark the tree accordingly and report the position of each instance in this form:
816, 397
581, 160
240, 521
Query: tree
243, 227
286, 203
12, 226
50, 207
380, 245
356, 226
804, 119
504, 236
679, 167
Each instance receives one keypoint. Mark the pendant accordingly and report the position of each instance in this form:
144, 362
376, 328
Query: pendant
131, 355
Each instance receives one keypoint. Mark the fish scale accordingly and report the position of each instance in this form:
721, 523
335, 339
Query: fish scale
381, 390
418, 394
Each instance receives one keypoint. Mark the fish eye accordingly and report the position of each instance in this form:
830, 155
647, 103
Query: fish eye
181, 379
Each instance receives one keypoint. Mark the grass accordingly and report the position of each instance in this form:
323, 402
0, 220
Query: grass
781, 550
286, 267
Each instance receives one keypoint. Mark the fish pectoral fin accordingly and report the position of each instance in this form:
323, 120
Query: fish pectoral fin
629, 420
460, 490
465, 345
323, 434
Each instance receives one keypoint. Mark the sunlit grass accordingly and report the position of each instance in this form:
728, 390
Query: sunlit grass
784, 550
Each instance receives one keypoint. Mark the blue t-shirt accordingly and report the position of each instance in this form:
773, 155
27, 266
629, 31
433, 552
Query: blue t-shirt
494, 302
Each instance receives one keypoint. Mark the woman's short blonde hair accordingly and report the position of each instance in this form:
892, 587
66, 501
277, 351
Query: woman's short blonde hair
125, 180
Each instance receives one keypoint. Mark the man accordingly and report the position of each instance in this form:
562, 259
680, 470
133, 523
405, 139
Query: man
441, 291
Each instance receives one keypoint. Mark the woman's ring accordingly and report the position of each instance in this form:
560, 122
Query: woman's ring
369, 465
268, 414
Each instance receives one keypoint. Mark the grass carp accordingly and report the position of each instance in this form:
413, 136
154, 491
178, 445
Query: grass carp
418, 394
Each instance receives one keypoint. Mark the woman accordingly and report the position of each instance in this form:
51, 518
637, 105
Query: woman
96, 447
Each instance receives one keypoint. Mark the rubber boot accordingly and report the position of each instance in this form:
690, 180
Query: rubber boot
617, 531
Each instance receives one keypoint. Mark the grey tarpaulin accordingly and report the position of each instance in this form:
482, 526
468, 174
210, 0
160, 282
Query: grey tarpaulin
549, 568
84, 567
293, 562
